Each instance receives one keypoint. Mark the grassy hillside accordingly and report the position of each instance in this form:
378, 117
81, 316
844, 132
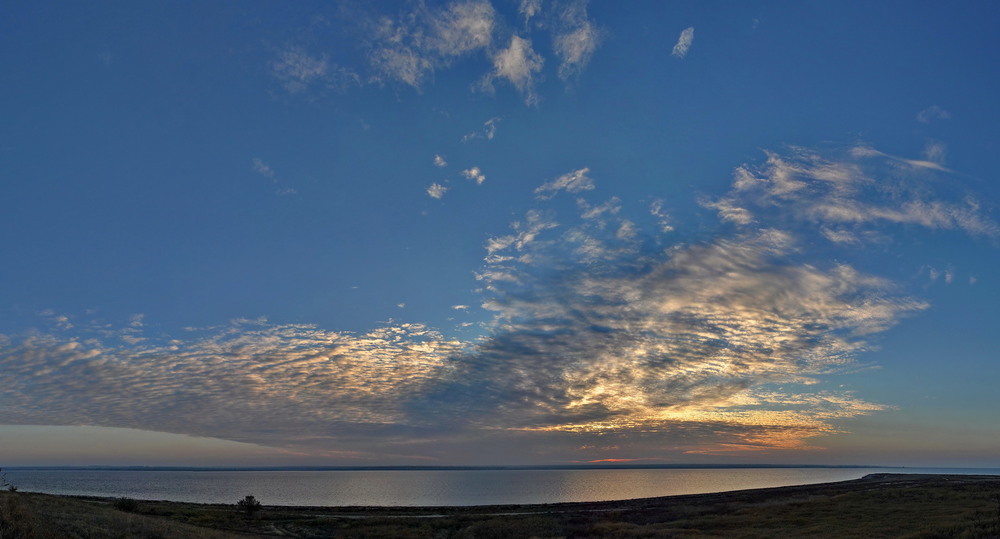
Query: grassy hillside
883, 505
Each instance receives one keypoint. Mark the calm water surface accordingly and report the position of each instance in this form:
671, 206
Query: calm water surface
428, 487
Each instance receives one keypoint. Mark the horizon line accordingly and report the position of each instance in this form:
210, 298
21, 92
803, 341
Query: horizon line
580, 466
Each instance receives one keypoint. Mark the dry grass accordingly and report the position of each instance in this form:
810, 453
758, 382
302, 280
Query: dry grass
26, 515
883, 506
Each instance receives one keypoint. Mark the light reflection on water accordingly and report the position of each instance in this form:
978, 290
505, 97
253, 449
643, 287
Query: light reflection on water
428, 487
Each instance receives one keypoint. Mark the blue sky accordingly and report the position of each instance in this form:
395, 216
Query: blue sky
508, 232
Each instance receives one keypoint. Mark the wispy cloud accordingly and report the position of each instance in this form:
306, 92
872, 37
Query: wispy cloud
262, 168
422, 39
932, 113
528, 9
518, 64
436, 190
439, 161
298, 71
841, 197
935, 152
265, 170
577, 40
948, 274
573, 182
488, 131
525, 232
662, 217
684, 42
411, 48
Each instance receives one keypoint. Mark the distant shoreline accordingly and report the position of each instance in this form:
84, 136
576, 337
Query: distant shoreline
877, 505
469, 468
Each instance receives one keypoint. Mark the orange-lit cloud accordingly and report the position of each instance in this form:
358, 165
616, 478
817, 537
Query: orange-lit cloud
708, 347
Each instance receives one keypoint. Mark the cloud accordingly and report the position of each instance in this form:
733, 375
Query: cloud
948, 274
526, 232
932, 113
573, 182
662, 218
422, 39
609, 208
439, 161
488, 131
262, 168
841, 198
436, 190
413, 47
576, 43
474, 174
463, 27
935, 152
865, 151
596, 334
529, 8
683, 43
518, 64
290, 385
265, 170
298, 71
601, 326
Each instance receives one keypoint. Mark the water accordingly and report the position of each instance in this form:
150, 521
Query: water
427, 487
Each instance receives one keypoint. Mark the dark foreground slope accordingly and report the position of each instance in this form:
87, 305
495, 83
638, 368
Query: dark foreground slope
880, 505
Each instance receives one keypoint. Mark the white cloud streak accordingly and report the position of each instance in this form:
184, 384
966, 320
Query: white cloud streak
573, 182
842, 198
684, 42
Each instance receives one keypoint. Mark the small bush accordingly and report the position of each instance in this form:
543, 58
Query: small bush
126, 504
6, 484
249, 505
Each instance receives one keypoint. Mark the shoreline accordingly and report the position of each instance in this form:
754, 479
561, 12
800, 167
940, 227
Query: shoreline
877, 505
868, 481
438, 487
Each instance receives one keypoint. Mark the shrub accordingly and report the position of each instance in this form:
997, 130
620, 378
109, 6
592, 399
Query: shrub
6, 484
249, 505
126, 504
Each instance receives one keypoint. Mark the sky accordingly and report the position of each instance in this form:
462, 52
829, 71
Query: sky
499, 232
